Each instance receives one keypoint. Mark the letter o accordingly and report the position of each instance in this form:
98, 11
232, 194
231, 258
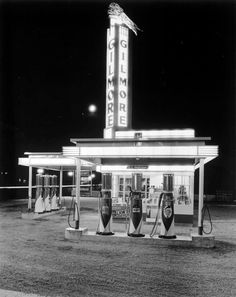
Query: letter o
123, 94
110, 95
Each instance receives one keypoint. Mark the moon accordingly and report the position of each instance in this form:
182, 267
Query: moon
92, 108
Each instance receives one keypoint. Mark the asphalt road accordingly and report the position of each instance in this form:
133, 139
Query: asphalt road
36, 259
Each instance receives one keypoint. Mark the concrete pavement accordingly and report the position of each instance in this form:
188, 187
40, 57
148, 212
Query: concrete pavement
8, 293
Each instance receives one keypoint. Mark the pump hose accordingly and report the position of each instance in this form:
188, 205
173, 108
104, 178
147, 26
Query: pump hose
126, 216
154, 229
99, 209
204, 210
128, 211
72, 207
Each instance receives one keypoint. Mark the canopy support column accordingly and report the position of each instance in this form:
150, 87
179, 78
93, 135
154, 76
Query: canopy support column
77, 193
30, 189
60, 186
200, 196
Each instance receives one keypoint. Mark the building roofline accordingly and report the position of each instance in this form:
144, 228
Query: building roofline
43, 153
117, 140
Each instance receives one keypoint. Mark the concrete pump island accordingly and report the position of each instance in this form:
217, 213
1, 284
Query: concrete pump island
147, 175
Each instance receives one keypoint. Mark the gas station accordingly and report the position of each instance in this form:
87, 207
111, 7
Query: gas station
152, 172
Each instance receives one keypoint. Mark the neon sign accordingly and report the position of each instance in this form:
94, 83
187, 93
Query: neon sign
110, 77
123, 78
117, 76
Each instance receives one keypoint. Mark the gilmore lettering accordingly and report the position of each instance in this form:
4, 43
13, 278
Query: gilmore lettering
122, 107
110, 72
123, 94
111, 44
110, 95
122, 68
117, 78
110, 120
110, 108
123, 43
110, 82
122, 120
111, 57
123, 81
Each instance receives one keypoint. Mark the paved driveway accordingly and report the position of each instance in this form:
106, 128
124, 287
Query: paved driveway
35, 258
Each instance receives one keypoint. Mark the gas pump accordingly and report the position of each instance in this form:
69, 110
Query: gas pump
136, 214
54, 198
105, 206
47, 200
167, 208
39, 204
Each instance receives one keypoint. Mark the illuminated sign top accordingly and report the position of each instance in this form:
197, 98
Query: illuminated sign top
118, 12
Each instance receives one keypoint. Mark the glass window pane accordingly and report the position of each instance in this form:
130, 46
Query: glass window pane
148, 184
143, 184
120, 194
127, 184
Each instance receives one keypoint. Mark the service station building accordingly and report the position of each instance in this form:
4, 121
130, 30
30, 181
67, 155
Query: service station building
124, 151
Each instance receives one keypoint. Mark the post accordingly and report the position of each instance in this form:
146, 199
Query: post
30, 189
200, 196
60, 186
115, 190
77, 191
91, 186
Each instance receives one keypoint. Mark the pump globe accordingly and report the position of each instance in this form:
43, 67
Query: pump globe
40, 171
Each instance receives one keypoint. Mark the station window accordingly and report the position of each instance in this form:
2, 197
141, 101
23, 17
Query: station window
125, 184
182, 190
85, 183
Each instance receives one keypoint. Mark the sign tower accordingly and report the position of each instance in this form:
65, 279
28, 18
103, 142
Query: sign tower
118, 80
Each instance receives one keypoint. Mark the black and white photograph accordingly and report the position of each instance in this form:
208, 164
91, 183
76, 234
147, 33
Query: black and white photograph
117, 148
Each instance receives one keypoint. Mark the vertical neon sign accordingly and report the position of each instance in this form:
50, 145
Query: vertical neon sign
110, 77
117, 75
123, 77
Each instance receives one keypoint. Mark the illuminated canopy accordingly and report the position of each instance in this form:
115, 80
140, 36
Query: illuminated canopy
52, 161
142, 151
171, 152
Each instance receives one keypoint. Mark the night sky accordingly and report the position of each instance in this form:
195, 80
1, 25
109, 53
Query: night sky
53, 65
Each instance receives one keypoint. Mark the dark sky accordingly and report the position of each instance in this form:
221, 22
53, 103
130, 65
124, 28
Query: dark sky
53, 56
